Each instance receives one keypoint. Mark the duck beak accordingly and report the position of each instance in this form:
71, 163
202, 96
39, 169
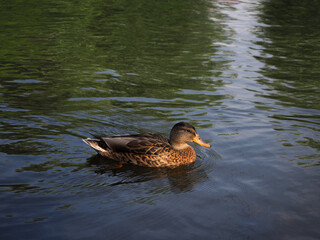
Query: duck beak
198, 140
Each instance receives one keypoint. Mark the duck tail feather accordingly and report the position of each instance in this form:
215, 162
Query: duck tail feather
96, 144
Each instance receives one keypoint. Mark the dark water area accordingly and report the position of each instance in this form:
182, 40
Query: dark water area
245, 73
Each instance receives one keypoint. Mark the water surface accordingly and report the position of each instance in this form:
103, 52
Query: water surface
245, 73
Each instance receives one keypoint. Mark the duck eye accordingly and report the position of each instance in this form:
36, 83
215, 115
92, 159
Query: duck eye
188, 131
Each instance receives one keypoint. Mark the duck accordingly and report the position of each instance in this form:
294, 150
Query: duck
150, 149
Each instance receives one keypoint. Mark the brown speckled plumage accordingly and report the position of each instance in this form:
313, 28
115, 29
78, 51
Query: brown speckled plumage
150, 150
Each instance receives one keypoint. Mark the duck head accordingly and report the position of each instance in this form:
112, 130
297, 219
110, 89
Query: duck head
184, 132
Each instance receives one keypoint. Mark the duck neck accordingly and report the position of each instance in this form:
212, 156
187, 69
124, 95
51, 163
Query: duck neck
179, 145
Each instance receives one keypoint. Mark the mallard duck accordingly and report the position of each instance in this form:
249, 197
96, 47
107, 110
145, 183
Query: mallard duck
149, 149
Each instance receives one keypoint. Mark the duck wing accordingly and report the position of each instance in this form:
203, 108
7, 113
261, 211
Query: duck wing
146, 143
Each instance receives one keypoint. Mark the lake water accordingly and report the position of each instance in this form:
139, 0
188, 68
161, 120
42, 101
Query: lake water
245, 73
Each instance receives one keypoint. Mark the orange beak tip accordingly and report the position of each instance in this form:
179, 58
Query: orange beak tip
201, 142
207, 145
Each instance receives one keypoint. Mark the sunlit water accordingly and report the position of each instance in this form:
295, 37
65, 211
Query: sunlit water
245, 73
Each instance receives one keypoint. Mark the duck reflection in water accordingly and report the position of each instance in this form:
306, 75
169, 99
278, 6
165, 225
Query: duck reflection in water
181, 179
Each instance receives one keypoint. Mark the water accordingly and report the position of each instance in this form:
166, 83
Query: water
245, 73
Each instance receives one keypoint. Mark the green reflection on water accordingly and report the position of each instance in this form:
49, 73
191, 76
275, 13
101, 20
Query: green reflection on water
293, 48
99, 53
